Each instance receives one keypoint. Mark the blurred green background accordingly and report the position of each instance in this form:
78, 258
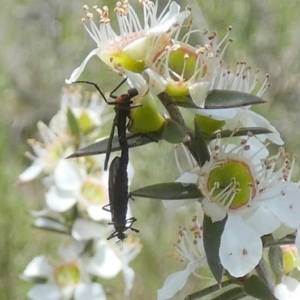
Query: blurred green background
42, 42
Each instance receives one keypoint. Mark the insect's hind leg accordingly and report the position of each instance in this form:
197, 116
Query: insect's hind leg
131, 221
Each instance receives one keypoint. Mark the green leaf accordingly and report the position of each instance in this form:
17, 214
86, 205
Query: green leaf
169, 191
218, 99
51, 225
202, 150
173, 133
34, 279
100, 147
185, 102
239, 132
233, 294
257, 288
276, 261
209, 290
212, 233
73, 124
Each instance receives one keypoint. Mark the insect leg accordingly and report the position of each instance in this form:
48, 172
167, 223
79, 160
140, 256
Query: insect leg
131, 221
98, 89
116, 88
109, 144
105, 207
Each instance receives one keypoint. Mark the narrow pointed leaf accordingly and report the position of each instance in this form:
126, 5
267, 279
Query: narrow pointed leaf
239, 132
51, 225
173, 133
257, 288
233, 294
208, 290
34, 279
100, 147
169, 191
201, 146
217, 99
220, 99
212, 233
275, 255
73, 124
185, 102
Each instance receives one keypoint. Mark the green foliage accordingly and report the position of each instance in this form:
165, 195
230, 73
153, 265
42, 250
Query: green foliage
169, 191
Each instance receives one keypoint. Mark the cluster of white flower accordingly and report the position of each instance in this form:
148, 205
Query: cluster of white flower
76, 191
241, 187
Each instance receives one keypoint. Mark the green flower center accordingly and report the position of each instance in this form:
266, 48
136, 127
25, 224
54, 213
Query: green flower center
85, 123
93, 193
127, 62
231, 183
67, 275
184, 64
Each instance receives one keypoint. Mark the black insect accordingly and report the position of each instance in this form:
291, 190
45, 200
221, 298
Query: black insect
122, 108
118, 177
118, 196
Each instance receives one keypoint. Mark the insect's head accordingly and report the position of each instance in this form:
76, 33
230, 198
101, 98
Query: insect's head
121, 236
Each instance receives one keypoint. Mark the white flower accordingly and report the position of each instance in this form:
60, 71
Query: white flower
88, 110
111, 258
239, 182
83, 230
129, 49
288, 289
189, 250
67, 280
241, 81
47, 154
71, 184
185, 70
58, 140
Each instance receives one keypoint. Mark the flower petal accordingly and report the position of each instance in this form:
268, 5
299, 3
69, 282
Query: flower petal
175, 282
58, 200
157, 84
251, 118
263, 221
198, 92
105, 262
288, 289
77, 72
67, 175
44, 292
173, 18
217, 114
214, 211
241, 247
39, 266
91, 291
85, 229
33, 171
283, 201
128, 274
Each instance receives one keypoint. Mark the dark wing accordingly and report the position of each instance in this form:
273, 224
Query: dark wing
109, 145
112, 183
